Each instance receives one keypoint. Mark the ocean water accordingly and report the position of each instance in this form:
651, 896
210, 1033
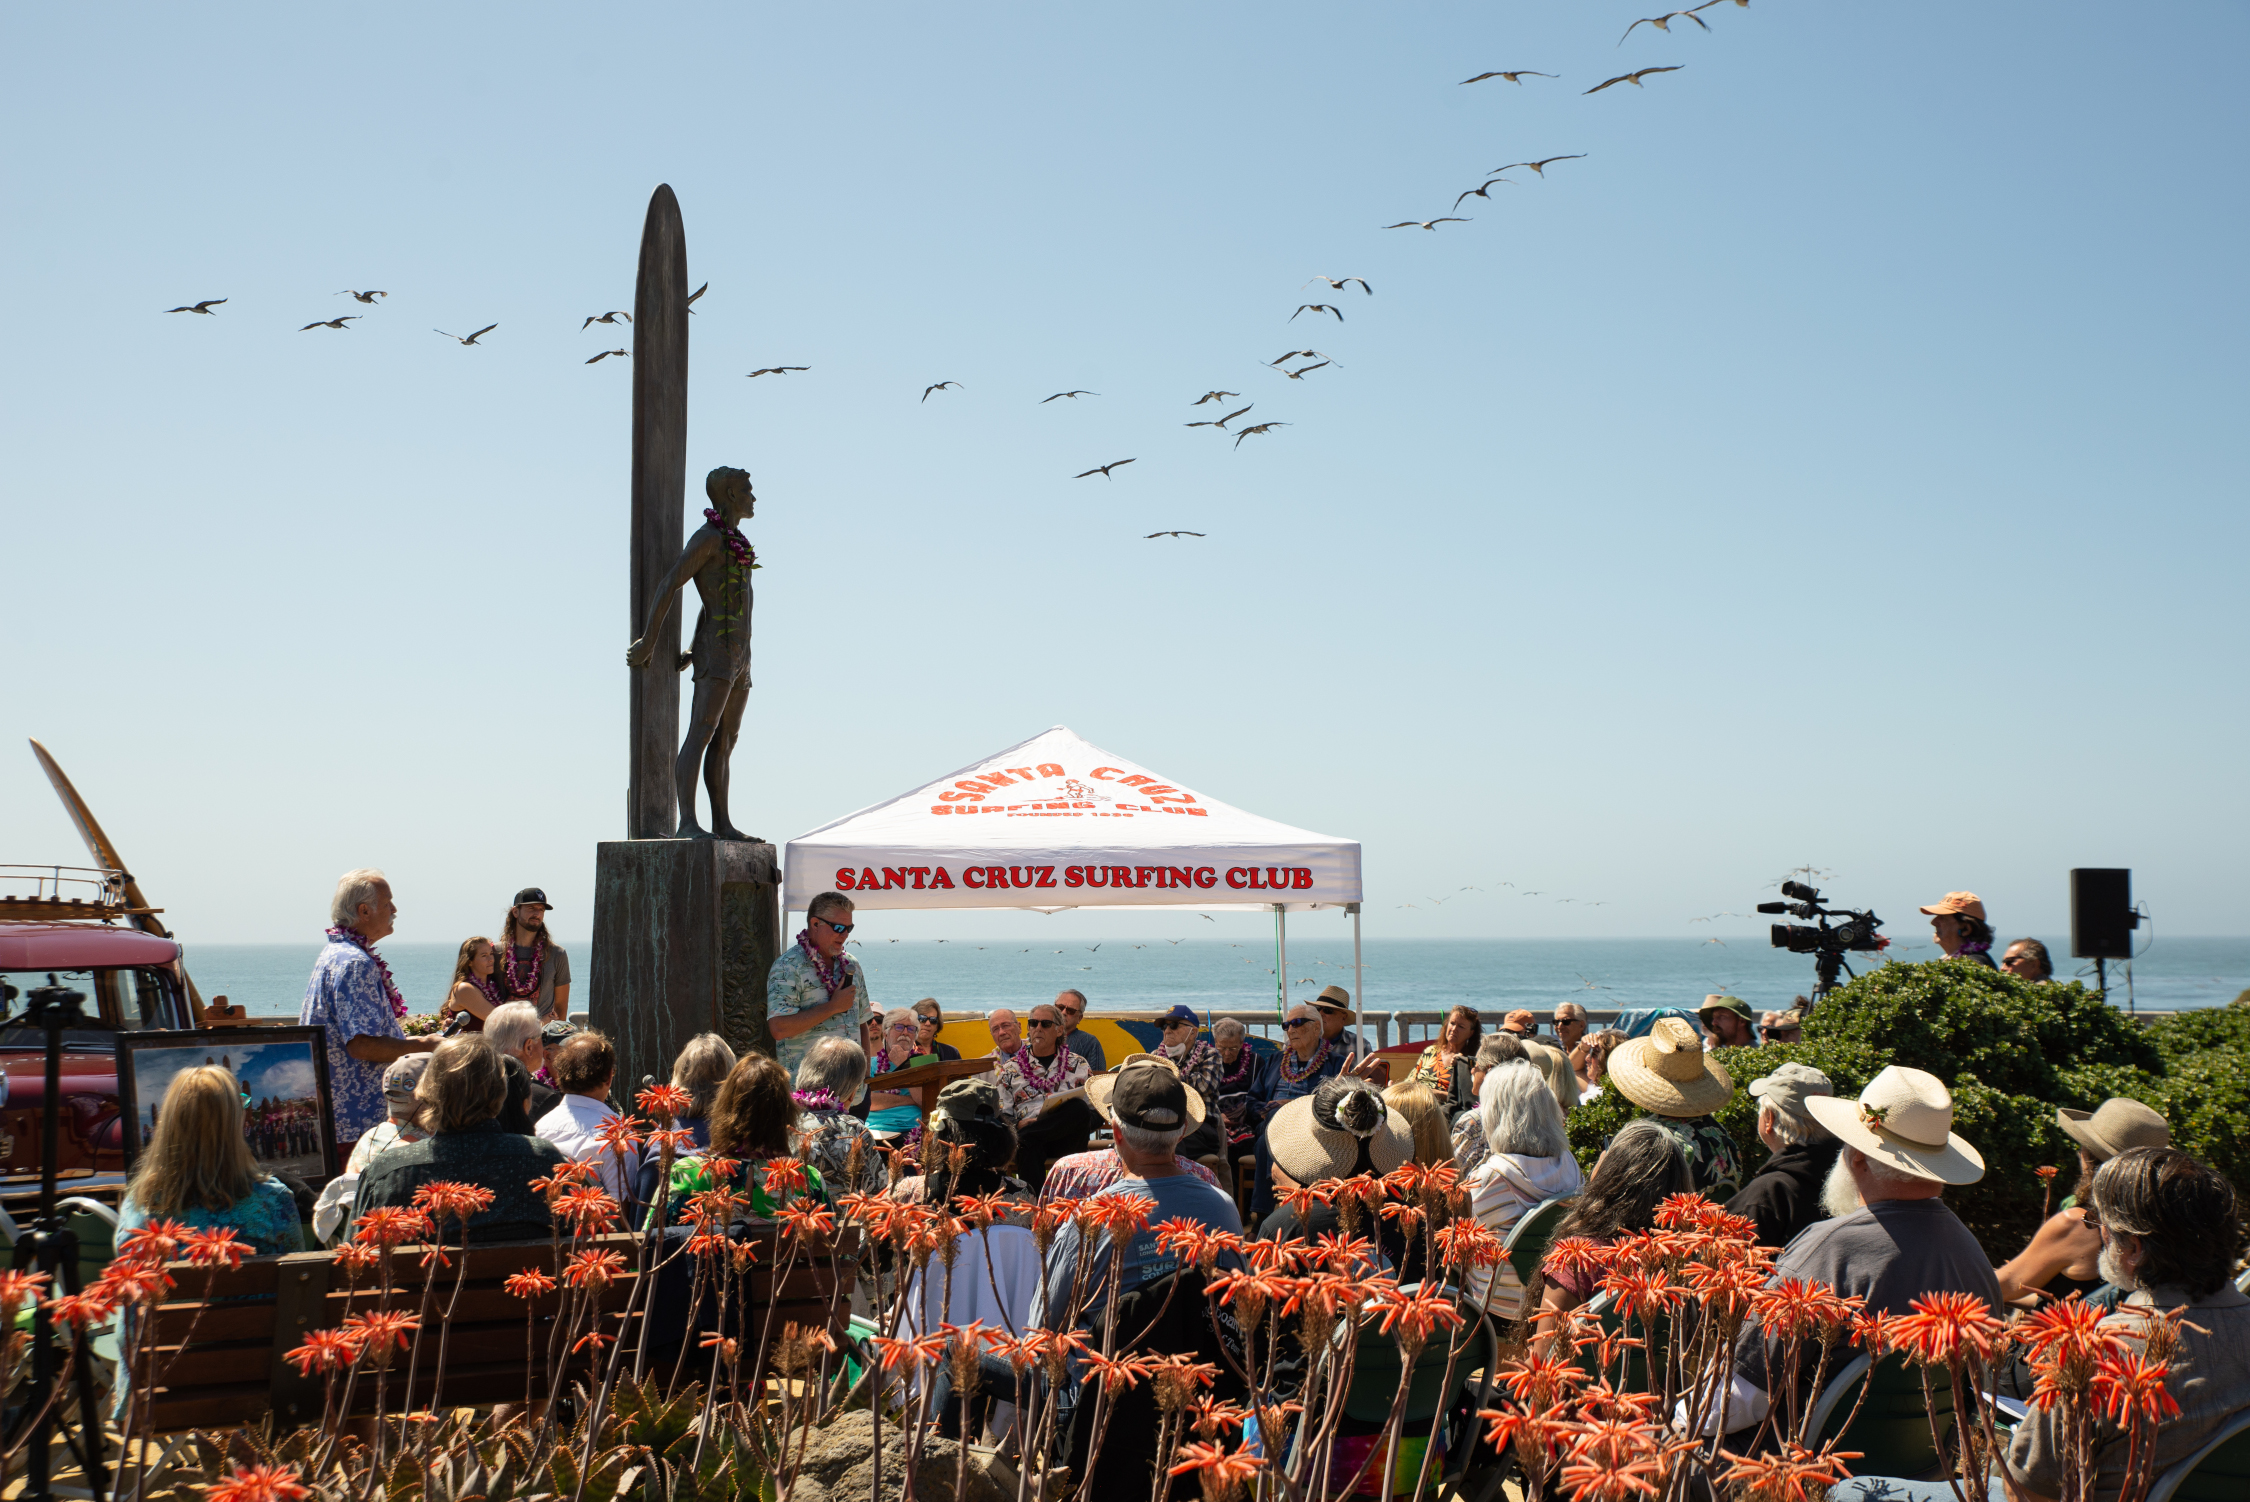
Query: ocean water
1401, 974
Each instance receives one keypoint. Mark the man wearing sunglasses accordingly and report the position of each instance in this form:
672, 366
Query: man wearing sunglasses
815, 990
1043, 1090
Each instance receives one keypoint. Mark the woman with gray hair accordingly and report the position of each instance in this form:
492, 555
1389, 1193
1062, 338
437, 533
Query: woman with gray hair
1529, 1164
516, 1031
703, 1065
830, 1082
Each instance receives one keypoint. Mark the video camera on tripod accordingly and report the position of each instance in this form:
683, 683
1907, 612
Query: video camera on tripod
1828, 944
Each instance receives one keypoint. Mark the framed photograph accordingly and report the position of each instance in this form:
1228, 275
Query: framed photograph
287, 1121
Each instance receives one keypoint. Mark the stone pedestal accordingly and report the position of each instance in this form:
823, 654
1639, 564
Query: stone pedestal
684, 933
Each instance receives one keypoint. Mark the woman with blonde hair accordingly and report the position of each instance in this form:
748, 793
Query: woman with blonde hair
474, 993
197, 1168
1433, 1134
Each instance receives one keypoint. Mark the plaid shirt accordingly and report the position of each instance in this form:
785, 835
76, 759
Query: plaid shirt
1083, 1174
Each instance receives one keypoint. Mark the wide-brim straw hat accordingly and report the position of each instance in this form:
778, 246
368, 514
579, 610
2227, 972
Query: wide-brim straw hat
2117, 1126
1309, 1151
1102, 1086
1903, 1120
1332, 999
1666, 1071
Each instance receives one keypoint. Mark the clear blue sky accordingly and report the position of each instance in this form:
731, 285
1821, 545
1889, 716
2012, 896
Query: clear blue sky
1842, 464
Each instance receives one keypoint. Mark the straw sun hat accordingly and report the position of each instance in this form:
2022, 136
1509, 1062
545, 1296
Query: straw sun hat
1318, 1136
1666, 1072
2120, 1125
1903, 1120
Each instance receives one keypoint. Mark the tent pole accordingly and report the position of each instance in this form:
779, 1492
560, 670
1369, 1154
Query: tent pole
1281, 959
1359, 981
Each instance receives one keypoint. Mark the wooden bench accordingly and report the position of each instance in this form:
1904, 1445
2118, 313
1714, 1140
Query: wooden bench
239, 1330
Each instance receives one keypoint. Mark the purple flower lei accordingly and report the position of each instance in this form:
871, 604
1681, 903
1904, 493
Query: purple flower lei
390, 987
738, 546
834, 974
1045, 1083
817, 1100
523, 990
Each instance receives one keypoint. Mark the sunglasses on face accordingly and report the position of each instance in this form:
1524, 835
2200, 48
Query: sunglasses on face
840, 928
1044, 1022
1298, 1022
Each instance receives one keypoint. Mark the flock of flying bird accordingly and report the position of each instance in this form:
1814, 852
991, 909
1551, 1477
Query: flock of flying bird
1310, 359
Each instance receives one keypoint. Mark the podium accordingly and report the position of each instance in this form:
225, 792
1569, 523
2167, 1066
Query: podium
926, 1080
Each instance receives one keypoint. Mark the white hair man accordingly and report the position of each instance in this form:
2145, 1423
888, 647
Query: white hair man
814, 989
351, 997
1892, 1239
1148, 1103
831, 1081
1784, 1196
515, 1032
1006, 1031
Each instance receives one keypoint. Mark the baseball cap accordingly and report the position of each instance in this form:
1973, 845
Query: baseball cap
1179, 1014
531, 894
1144, 1095
1734, 1004
1787, 1087
1520, 1021
1968, 904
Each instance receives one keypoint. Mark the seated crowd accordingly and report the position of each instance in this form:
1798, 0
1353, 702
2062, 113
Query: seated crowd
1850, 1193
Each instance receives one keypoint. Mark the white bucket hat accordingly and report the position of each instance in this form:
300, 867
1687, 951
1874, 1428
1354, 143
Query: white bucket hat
1903, 1120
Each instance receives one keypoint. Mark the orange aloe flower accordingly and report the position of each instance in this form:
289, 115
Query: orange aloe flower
1612, 1461
1120, 1372
785, 1178
259, 1483
18, 1289
1214, 1414
1340, 1252
380, 1332
1302, 1200
1795, 1475
2130, 1386
593, 1270
443, 1199
1118, 1214
356, 1259
1542, 1380
158, 1241
621, 1134
1684, 1212
726, 1345
1945, 1327
1727, 1290
1578, 1258
85, 1309
1224, 1471
594, 1338
809, 1223
1534, 1436
325, 1350
587, 1209
2045, 1173
529, 1285
981, 1210
132, 1282
1468, 1243
1643, 1293
1417, 1314
210, 1248
924, 1350
391, 1225
668, 1101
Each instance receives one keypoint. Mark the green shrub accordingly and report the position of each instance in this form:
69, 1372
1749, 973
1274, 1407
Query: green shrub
2011, 1053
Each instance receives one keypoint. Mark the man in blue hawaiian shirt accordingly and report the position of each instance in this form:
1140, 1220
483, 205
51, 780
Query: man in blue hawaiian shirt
815, 990
351, 996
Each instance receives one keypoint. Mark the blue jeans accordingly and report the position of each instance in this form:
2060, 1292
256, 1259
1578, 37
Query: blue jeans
1888, 1489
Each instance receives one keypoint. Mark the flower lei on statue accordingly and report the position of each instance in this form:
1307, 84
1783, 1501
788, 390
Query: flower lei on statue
390, 987
741, 558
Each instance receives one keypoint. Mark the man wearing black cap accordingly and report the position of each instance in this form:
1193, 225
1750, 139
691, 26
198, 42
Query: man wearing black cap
532, 966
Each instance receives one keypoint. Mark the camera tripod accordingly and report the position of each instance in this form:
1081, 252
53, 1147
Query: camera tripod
51, 1247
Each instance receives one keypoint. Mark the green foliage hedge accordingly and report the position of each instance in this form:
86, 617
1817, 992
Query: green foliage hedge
2011, 1052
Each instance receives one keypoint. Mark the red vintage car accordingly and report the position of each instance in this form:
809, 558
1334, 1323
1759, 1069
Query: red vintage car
132, 983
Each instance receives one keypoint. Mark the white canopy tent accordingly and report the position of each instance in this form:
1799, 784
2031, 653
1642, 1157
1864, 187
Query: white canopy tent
1054, 822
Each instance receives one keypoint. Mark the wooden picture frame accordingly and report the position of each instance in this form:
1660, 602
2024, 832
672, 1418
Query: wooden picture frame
294, 1114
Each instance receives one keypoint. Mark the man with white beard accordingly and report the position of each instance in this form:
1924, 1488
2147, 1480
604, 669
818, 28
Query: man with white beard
1891, 1238
2167, 1227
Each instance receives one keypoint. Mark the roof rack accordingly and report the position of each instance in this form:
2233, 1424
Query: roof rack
48, 894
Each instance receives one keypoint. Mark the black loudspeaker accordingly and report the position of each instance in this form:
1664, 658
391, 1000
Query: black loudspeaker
2101, 913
